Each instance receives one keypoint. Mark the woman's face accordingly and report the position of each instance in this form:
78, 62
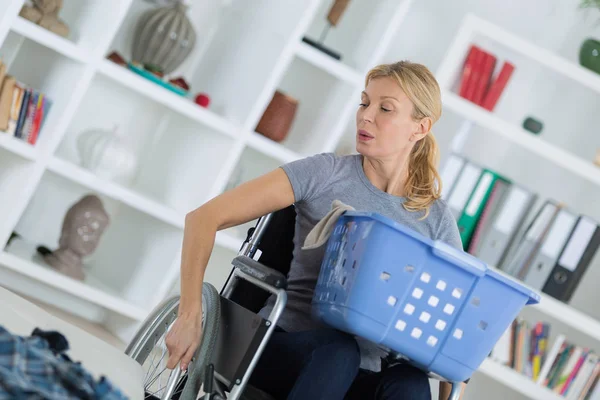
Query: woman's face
384, 124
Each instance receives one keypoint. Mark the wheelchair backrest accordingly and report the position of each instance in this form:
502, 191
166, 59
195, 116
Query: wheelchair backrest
277, 247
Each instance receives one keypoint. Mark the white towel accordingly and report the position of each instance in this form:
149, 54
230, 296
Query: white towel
322, 230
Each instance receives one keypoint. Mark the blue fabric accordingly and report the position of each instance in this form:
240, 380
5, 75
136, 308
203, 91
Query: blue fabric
37, 367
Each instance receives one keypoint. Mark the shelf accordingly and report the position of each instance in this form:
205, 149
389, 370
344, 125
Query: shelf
17, 146
521, 137
272, 149
328, 64
48, 39
91, 290
570, 316
564, 312
175, 102
517, 381
139, 202
540, 55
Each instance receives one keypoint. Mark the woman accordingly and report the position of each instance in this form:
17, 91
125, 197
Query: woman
394, 174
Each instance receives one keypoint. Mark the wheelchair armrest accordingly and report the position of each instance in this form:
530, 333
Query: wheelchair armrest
260, 271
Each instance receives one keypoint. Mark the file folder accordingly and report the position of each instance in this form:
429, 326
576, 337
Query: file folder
502, 233
574, 260
488, 216
462, 189
543, 264
475, 205
450, 173
529, 245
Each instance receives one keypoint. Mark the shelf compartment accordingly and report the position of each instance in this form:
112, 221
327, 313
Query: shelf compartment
521, 137
247, 53
271, 148
172, 152
18, 147
133, 253
314, 122
49, 40
48, 72
89, 24
179, 104
556, 91
114, 191
361, 31
564, 313
15, 172
22, 260
333, 67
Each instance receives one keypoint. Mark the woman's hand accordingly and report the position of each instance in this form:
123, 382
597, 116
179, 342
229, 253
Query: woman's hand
184, 338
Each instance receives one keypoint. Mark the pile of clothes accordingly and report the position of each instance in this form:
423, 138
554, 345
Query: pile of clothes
38, 367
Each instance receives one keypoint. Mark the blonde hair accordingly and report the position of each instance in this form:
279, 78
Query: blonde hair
423, 185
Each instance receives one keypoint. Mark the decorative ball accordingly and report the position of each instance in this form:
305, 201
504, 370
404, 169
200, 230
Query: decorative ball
202, 100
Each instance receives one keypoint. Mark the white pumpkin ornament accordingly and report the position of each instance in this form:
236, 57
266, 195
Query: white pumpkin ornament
107, 155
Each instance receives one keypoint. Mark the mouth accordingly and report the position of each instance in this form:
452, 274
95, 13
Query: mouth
364, 135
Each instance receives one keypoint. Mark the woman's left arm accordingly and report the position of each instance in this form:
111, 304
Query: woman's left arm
446, 389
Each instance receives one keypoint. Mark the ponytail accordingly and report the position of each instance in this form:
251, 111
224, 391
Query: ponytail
423, 186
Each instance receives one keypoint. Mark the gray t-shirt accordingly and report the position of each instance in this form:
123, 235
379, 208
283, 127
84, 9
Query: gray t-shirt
317, 181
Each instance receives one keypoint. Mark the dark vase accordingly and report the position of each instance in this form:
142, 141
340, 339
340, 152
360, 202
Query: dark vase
589, 55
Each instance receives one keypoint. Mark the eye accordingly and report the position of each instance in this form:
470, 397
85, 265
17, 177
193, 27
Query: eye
385, 109
362, 105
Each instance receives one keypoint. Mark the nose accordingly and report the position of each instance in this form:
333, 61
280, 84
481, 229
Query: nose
367, 114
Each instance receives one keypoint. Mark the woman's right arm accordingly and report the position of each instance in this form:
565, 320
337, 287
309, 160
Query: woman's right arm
247, 202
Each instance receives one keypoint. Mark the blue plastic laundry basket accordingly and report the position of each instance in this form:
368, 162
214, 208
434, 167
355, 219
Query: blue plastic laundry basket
438, 306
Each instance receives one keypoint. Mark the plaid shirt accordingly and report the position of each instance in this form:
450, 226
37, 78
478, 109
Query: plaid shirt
36, 367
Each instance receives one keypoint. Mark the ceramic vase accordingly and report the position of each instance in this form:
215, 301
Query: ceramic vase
277, 119
107, 154
164, 37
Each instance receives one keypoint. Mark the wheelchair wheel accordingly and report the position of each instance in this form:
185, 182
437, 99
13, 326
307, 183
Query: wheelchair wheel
148, 348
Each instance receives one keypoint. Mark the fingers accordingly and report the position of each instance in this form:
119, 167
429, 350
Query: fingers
175, 350
185, 360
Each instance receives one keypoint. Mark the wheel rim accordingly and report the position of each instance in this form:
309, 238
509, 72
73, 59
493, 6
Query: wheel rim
153, 355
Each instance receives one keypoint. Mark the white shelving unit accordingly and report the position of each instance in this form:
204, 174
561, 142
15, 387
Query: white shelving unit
187, 153
534, 66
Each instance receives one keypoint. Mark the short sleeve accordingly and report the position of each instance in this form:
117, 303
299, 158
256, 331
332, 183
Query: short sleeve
309, 176
448, 229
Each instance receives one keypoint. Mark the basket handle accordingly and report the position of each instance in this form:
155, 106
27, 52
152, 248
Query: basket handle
459, 258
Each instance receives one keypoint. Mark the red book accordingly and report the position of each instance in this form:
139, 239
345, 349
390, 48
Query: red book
468, 70
497, 87
478, 61
483, 83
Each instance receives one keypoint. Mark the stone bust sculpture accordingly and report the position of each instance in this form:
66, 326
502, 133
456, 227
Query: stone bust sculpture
82, 228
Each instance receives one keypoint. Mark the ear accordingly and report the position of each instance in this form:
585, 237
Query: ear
423, 128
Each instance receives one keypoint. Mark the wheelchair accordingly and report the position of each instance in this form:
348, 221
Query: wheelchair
234, 336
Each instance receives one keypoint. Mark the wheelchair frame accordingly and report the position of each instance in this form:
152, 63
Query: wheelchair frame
230, 366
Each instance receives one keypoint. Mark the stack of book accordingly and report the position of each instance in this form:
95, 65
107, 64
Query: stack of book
477, 81
566, 368
551, 253
22, 108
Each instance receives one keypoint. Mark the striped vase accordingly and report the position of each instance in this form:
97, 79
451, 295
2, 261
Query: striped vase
163, 38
